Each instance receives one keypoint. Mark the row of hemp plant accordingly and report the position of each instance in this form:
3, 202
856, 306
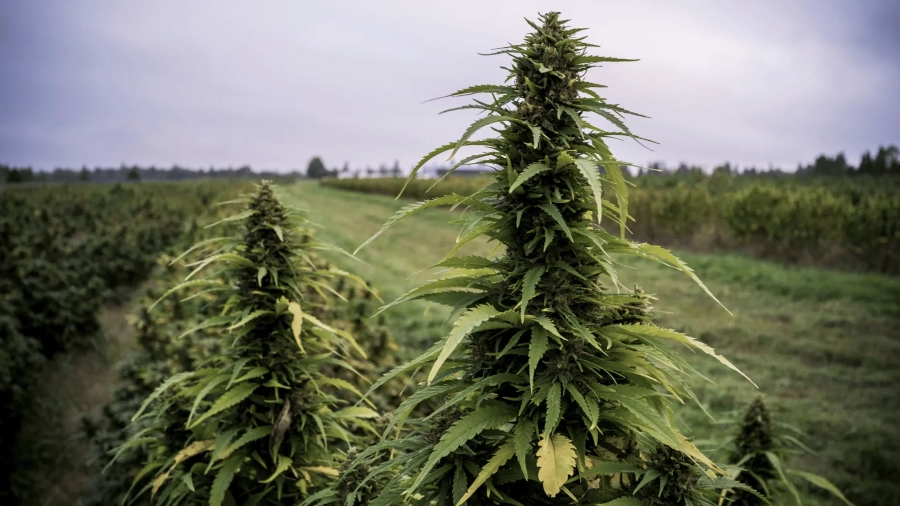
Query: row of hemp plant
262, 422
553, 386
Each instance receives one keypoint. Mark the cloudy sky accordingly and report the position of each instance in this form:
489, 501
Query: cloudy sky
273, 83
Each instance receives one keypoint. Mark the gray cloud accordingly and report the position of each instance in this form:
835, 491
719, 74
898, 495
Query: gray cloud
272, 84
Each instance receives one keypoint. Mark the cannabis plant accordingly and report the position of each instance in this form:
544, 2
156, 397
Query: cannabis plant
260, 423
553, 385
761, 453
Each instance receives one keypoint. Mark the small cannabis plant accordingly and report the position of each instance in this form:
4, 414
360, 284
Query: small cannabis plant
760, 452
260, 423
554, 385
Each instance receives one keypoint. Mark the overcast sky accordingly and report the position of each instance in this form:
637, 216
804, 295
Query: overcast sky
273, 83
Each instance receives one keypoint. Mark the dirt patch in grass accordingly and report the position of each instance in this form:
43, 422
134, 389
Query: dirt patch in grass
53, 453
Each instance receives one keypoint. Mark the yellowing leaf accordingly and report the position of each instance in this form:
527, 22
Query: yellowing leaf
556, 462
297, 324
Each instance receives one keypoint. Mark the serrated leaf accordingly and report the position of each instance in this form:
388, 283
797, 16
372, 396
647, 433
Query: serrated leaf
478, 125
529, 172
160, 389
411, 209
249, 318
554, 405
461, 328
248, 437
536, 349
523, 437
229, 399
661, 333
529, 283
223, 480
554, 213
504, 453
592, 174
490, 416
822, 483
555, 461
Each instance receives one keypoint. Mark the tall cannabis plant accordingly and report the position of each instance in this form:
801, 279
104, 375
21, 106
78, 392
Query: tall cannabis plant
258, 424
554, 385
762, 453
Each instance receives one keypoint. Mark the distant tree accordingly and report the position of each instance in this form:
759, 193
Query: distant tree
85, 175
724, 170
370, 171
886, 161
866, 165
133, 175
395, 170
316, 169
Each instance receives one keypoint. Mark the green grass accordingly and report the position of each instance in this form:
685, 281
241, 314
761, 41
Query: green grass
821, 345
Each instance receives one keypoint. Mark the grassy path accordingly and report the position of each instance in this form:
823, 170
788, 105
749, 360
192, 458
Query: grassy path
823, 346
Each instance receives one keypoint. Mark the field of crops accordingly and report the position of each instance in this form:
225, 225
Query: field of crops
850, 223
504, 343
771, 304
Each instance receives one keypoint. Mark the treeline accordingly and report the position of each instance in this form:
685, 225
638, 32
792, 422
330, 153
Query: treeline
885, 162
13, 175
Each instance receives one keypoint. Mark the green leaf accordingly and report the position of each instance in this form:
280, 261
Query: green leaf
582, 60
411, 209
536, 349
504, 453
529, 283
237, 217
461, 328
822, 483
624, 501
248, 437
229, 399
523, 436
555, 461
592, 174
639, 331
554, 213
488, 416
554, 403
666, 257
160, 389
249, 318
529, 172
223, 480
621, 190
478, 125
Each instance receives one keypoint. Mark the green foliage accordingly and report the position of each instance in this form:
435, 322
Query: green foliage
549, 360
65, 252
259, 421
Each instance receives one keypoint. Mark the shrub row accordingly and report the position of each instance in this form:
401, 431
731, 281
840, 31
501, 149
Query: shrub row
854, 225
